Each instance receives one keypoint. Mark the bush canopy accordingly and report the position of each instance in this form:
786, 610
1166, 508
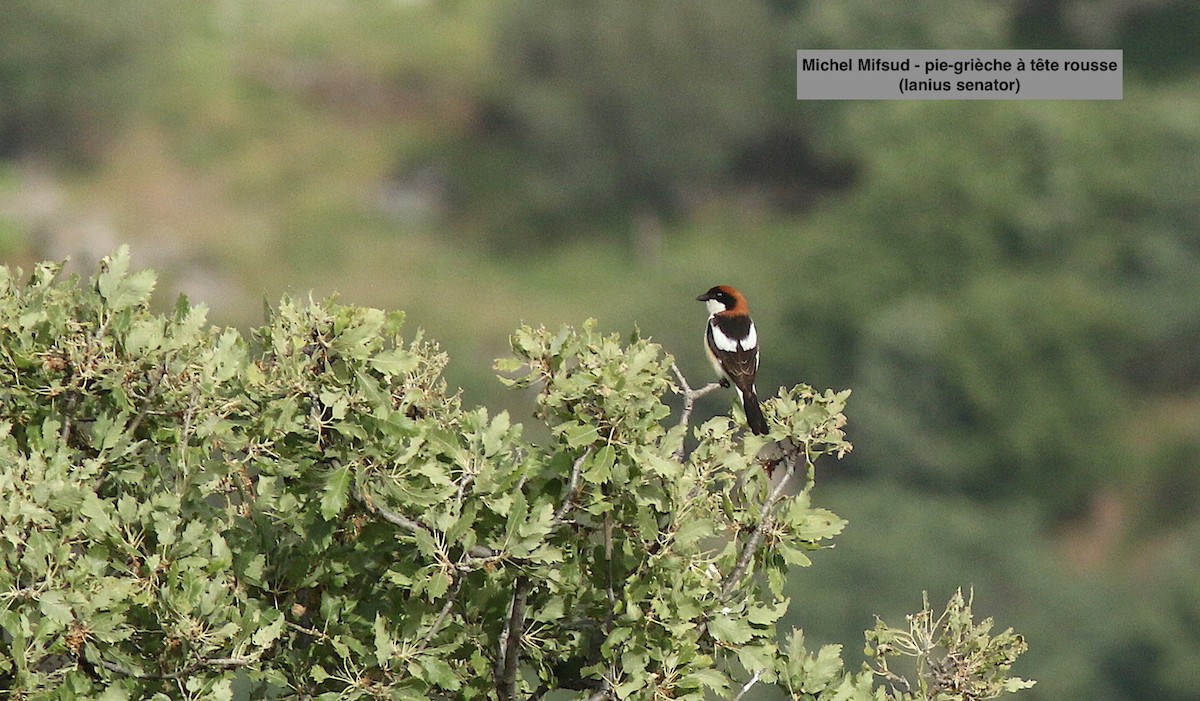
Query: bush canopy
308, 513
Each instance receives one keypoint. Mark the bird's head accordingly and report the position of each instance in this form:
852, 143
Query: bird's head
723, 298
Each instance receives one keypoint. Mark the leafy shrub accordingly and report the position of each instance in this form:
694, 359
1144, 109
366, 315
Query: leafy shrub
309, 514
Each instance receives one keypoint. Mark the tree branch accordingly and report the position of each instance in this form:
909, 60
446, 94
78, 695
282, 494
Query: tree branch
437, 622
64, 434
463, 485
689, 401
509, 652
572, 487
145, 408
216, 662
93, 339
313, 632
765, 520
478, 552
608, 562
748, 685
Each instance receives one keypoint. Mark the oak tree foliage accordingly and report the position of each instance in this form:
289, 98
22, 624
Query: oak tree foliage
307, 512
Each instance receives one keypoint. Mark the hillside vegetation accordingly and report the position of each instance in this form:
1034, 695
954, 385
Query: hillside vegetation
1010, 289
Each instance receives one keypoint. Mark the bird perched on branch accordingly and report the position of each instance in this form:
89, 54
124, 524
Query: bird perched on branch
731, 342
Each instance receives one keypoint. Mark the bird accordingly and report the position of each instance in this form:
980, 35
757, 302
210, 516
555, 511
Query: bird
731, 342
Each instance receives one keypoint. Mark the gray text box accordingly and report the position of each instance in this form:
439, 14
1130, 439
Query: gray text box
924, 74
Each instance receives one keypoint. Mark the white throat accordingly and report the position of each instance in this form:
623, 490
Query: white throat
714, 307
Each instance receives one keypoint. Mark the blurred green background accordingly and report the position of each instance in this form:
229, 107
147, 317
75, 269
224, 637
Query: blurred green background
1012, 289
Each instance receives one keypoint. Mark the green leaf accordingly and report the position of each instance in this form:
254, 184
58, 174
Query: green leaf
120, 290
268, 634
822, 670
730, 630
578, 434
222, 690
664, 467
517, 512
385, 646
793, 555
692, 530
144, 336
335, 402
508, 365
114, 692
756, 658
397, 361
710, 678
598, 467
626, 688
437, 585
438, 673
766, 615
493, 436
96, 511
336, 494
55, 607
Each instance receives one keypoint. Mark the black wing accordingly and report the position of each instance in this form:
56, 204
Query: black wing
740, 366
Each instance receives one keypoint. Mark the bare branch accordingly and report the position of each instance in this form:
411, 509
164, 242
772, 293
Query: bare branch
145, 408
216, 663
748, 685
463, 485
441, 618
572, 487
608, 561
604, 694
510, 642
412, 525
313, 632
73, 400
689, 401
185, 434
766, 518
395, 519
64, 434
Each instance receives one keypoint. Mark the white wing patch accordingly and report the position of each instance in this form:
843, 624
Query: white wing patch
723, 342
751, 338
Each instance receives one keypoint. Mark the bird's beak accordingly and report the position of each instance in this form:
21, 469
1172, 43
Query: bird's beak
703, 298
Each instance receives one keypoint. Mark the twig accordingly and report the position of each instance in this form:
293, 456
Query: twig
395, 519
510, 642
73, 400
64, 434
748, 685
689, 401
145, 408
478, 552
756, 537
437, 622
217, 662
319, 635
604, 693
464, 483
572, 487
185, 435
608, 561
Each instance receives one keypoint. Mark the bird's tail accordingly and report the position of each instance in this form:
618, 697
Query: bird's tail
754, 416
